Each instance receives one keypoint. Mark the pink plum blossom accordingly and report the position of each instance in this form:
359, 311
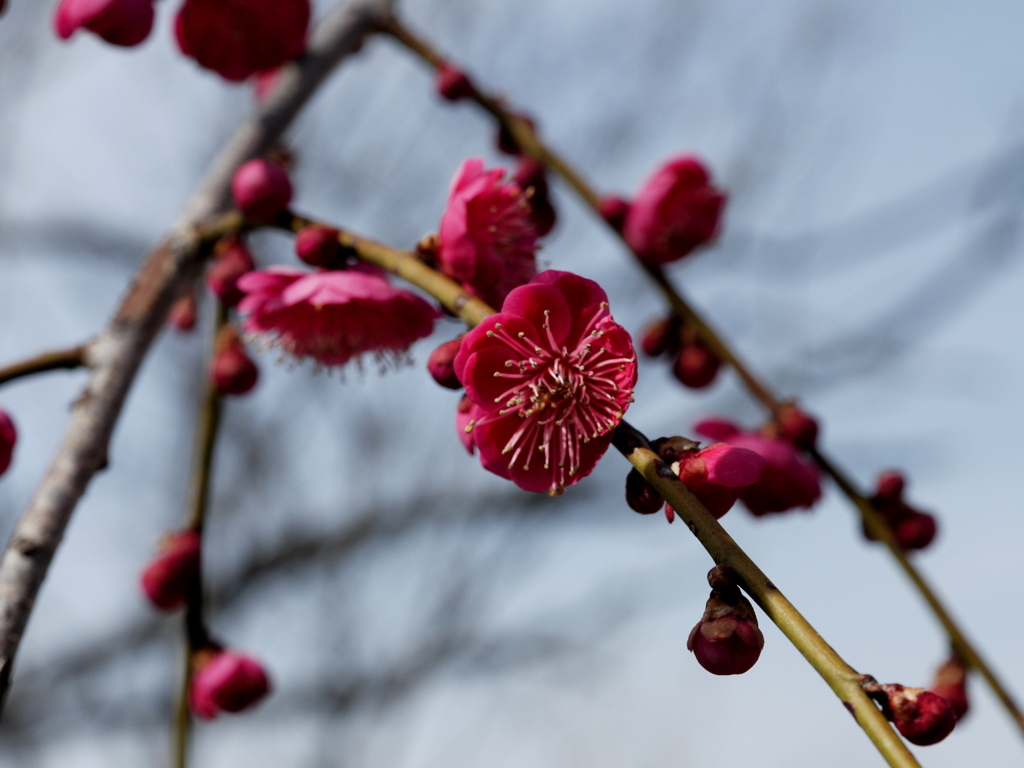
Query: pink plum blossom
675, 211
488, 239
551, 375
333, 317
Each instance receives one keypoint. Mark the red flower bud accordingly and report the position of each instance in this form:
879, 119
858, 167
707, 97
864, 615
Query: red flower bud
796, 426
614, 210
657, 337
532, 179
452, 83
222, 277
890, 485
641, 495
951, 684
183, 312
8, 437
441, 364
261, 189
922, 717
232, 370
696, 366
172, 573
914, 530
319, 247
225, 681
726, 641
118, 22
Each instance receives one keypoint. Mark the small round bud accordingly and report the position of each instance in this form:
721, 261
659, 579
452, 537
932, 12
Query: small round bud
506, 142
226, 681
8, 438
890, 485
118, 22
441, 366
261, 189
232, 370
920, 716
641, 495
613, 210
173, 572
656, 338
727, 640
951, 684
696, 366
722, 576
319, 247
233, 261
184, 312
914, 530
452, 83
796, 426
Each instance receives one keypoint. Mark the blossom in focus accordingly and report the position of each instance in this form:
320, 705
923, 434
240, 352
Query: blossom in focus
333, 317
239, 38
488, 239
8, 437
226, 681
716, 474
676, 210
551, 375
118, 22
169, 576
788, 480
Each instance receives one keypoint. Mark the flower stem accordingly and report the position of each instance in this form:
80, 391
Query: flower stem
531, 144
73, 357
839, 675
195, 633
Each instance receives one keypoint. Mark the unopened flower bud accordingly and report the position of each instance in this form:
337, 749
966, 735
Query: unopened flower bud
452, 83
890, 485
796, 426
118, 22
951, 684
173, 572
532, 179
641, 495
183, 312
657, 336
261, 189
696, 366
921, 716
613, 210
726, 641
506, 141
441, 366
226, 681
319, 247
232, 370
914, 530
8, 437
233, 261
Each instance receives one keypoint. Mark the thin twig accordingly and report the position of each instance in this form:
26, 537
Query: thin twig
116, 354
58, 359
532, 145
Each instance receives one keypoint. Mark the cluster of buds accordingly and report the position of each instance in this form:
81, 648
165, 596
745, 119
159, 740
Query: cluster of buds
694, 364
922, 717
912, 528
714, 475
727, 640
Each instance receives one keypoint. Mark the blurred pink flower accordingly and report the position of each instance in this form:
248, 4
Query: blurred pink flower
227, 682
488, 240
552, 375
119, 22
8, 438
333, 317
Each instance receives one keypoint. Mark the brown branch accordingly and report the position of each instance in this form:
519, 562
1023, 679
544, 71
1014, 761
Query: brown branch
116, 354
58, 359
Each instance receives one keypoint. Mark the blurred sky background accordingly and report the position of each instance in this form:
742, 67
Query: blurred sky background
417, 611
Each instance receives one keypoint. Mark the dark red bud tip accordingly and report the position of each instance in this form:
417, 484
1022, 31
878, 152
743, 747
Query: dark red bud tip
890, 485
169, 576
922, 717
441, 364
727, 641
226, 681
183, 312
222, 277
261, 189
613, 210
452, 83
118, 22
696, 366
641, 495
506, 141
655, 340
951, 684
915, 530
796, 426
232, 370
319, 247
8, 438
